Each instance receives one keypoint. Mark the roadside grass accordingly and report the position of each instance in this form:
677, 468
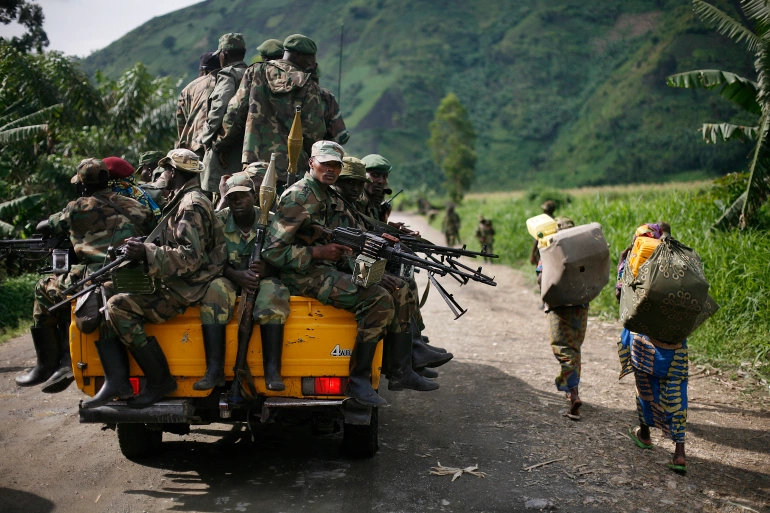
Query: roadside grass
17, 296
735, 262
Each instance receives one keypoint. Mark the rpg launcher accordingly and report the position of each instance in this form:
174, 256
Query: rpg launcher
378, 253
295, 147
59, 248
243, 383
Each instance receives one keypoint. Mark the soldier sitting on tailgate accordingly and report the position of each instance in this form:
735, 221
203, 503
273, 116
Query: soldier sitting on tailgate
271, 309
377, 170
189, 254
99, 219
310, 269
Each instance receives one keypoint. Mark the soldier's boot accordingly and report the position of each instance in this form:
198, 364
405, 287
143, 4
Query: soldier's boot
272, 347
63, 376
360, 380
214, 345
417, 338
159, 381
426, 372
423, 356
114, 357
46, 342
427, 343
402, 376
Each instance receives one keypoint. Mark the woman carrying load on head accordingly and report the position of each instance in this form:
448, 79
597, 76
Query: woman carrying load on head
660, 370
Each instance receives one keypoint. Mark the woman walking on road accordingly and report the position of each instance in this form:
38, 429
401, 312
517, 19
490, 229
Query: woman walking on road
660, 370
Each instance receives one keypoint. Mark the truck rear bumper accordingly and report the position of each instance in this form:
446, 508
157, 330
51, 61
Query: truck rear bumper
170, 411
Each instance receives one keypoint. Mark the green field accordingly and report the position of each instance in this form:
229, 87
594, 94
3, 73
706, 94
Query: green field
736, 263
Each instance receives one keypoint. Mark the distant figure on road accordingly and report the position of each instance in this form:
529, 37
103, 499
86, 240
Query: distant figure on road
485, 234
451, 226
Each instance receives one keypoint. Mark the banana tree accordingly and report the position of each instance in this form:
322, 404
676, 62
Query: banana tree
752, 96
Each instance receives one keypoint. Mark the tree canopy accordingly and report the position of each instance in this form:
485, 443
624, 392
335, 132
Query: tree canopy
452, 140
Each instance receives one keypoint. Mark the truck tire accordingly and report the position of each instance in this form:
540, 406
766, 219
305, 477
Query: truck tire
137, 441
362, 441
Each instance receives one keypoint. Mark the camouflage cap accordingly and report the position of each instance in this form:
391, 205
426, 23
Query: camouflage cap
377, 163
183, 159
89, 171
353, 169
231, 41
148, 157
256, 169
327, 151
271, 49
239, 182
300, 44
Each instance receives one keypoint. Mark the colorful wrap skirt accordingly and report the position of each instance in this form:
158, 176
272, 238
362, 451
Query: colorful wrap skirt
661, 372
567, 329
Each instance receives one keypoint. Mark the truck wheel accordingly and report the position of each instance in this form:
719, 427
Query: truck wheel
362, 441
138, 441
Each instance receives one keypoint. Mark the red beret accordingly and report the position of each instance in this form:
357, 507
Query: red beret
118, 167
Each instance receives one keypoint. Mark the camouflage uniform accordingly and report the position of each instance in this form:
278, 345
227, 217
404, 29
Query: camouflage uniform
262, 110
451, 227
228, 81
485, 234
190, 254
93, 226
191, 112
308, 203
369, 207
271, 305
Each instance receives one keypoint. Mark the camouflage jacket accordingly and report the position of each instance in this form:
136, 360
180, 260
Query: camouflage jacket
304, 204
228, 80
485, 234
262, 110
93, 224
238, 244
335, 126
367, 206
191, 249
191, 112
451, 223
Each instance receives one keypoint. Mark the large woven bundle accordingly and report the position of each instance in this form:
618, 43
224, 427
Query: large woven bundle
576, 266
668, 299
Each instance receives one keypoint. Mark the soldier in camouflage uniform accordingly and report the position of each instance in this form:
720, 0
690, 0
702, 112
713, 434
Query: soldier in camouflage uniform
189, 254
270, 50
231, 51
191, 111
310, 268
485, 234
271, 305
377, 170
260, 114
451, 225
94, 222
148, 161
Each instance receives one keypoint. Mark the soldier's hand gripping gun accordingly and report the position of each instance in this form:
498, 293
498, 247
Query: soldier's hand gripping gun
386, 252
243, 380
59, 248
295, 147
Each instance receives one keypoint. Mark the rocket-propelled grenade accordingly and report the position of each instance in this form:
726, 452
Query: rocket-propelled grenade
295, 146
267, 192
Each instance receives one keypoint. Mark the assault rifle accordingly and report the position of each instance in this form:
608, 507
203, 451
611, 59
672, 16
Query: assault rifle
59, 248
378, 253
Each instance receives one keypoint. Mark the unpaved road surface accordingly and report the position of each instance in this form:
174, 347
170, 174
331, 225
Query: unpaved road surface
497, 407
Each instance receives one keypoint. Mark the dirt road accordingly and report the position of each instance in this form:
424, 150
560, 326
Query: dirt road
497, 407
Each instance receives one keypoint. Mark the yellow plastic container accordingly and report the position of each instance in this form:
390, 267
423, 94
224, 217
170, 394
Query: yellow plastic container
317, 342
542, 227
642, 249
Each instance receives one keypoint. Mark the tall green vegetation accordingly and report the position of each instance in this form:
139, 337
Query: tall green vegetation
452, 139
753, 96
30, 16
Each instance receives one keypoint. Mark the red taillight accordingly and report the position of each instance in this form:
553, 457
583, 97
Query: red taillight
134, 384
329, 386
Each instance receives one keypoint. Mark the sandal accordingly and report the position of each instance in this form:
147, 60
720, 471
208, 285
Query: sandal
679, 469
632, 433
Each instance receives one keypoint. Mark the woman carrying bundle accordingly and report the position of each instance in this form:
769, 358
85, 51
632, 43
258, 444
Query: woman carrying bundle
660, 370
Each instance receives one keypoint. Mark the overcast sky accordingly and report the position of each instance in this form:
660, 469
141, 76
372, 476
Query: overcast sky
78, 27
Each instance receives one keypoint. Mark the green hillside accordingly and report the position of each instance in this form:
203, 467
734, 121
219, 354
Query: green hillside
565, 92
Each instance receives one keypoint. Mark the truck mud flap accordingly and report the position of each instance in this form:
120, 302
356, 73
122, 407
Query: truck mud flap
356, 413
172, 411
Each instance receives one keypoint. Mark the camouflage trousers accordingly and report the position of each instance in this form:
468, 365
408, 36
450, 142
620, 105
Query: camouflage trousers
271, 306
129, 312
417, 314
376, 311
48, 292
567, 327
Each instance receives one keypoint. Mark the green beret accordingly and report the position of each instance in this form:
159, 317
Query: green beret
377, 163
150, 156
271, 49
300, 44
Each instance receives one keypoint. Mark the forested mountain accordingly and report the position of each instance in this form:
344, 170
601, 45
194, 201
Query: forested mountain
565, 92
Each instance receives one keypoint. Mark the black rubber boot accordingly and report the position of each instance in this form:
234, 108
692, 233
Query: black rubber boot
159, 382
426, 372
360, 380
63, 377
418, 337
46, 342
214, 345
402, 376
422, 356
114, 358
272, 347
